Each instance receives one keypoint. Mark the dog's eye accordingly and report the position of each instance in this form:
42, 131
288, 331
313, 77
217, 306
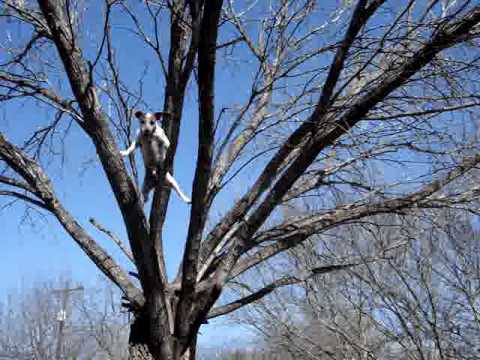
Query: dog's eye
152, 122
142, 122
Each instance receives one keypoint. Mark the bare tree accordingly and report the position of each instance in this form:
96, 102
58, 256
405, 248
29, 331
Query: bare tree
416, 302
93, 324
334, 98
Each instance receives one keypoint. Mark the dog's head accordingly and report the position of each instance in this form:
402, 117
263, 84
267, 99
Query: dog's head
148, 121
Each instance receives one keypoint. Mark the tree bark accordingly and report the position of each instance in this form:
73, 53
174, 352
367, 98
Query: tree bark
143, 347
138, 342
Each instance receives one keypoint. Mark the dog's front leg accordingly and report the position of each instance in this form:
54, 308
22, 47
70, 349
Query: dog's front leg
132, 146
130, 149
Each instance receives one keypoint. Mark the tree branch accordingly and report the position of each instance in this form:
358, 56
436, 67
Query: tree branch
36, 179
48, 94
292, 233
114, 238
289, 280
198, 215
292, 146
257, 295
24, 198
196, 15
16, 183
173, 105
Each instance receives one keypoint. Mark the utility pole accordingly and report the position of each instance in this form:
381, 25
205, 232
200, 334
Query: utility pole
62, 317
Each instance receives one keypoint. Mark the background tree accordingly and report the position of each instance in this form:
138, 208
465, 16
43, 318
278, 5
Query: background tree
416, 302
345, 112
94, 324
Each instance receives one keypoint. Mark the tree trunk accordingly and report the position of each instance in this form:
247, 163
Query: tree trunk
141, 348
191, 353
138, 342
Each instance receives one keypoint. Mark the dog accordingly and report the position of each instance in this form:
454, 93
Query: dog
154, 144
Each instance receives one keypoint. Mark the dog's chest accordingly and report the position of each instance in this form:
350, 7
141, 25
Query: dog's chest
153, 150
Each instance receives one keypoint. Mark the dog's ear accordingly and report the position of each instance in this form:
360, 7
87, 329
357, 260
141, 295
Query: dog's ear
160, 114
139, 114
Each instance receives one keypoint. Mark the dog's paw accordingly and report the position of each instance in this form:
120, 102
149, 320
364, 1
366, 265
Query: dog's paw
123, 153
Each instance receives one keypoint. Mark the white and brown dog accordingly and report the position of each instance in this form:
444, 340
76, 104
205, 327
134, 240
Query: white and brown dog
154, 144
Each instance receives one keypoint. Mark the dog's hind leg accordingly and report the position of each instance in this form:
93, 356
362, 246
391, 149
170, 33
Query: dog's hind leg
148, 184
176, 187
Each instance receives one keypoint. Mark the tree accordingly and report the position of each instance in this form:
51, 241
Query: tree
377, 86
416, 302
55, 320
